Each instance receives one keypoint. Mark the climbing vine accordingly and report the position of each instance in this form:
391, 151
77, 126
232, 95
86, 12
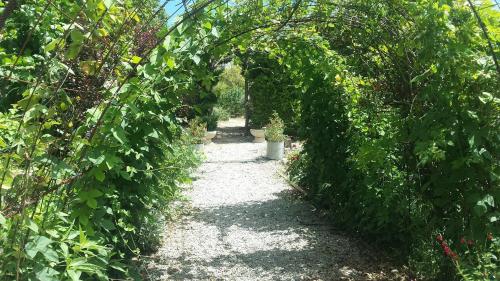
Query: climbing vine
396, 102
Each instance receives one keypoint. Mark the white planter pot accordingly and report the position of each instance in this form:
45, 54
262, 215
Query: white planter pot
259, 135
199, 146
275, 150
210, 135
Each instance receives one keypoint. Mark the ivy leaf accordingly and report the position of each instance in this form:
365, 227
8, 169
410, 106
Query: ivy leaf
196, 59
3, 221
99, 175
480, 210
96, 160
74, 275
36, 111
108, 225
77, 36
215, 32
167, 42
485, 97
207, 25
39, 244
51, 255
119, 134
170, 61
92, 203
487, 200
32, 225
53, 44
108, 3
154, 134
47, 274
136, 60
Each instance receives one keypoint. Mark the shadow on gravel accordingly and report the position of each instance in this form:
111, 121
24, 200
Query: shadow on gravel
257, 160
232, 135
306, 245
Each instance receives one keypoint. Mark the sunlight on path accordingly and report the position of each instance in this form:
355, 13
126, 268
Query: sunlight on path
246, 225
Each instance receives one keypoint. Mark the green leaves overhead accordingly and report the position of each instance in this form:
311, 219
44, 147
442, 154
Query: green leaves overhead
396, 102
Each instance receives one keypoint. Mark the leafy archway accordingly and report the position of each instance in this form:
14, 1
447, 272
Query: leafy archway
398, 108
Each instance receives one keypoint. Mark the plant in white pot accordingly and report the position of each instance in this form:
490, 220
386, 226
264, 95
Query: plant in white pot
197, 130
275, 137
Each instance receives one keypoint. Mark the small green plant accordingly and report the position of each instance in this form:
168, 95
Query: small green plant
211, 120
275, 129
222, 113
197, 129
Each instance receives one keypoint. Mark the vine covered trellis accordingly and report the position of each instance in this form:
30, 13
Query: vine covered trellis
397, 102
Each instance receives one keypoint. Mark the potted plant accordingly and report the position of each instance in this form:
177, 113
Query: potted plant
275, 137
197, 129
211, 121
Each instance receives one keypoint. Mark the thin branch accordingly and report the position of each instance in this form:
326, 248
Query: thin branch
485, 33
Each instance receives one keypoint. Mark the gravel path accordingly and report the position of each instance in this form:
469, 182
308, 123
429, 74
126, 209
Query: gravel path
245, 224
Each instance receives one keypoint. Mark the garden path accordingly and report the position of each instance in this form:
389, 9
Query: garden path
246, 223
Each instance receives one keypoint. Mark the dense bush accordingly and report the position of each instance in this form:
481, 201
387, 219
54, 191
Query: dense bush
91, 153
232, 101
230, 91
271, 89
401, 131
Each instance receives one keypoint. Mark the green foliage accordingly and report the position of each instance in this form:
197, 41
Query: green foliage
230, 91
275, 129
401, 130
197, 129
222, 113
211, 121
478, 260
271, 89
229, 79
232, 101
91, 154
396, 101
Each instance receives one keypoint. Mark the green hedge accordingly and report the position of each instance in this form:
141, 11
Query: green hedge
401, 156
272, 89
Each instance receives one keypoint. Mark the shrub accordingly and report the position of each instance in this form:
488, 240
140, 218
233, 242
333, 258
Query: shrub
230, 91
222, 113
211, 120
395, 159
197, 129
275, 129
232, 100
272, 88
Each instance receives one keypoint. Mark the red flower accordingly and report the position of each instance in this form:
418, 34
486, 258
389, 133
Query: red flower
439, 238
447, 251
462, 240
489, 236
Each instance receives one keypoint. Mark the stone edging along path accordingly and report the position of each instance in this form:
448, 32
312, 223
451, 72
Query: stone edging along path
245, 223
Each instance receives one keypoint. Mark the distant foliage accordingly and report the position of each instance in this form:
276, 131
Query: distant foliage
232, 101
230, 91
271, 89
